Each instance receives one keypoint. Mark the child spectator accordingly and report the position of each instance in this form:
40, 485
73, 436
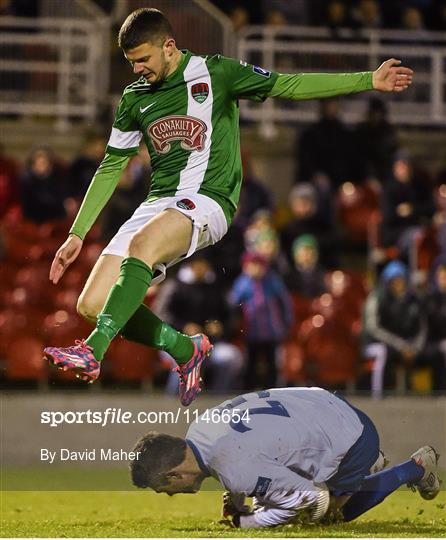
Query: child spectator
267, 318
306, 278
266, 243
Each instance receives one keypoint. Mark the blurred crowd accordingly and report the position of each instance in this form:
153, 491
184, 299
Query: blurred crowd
344, 286
414, 15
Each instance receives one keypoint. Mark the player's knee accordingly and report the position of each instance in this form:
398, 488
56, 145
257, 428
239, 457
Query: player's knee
87, 309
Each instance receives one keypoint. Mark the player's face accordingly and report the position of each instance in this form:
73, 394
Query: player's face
180, 483
152, 61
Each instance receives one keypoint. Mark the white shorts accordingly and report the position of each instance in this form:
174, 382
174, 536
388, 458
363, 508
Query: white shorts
208, 219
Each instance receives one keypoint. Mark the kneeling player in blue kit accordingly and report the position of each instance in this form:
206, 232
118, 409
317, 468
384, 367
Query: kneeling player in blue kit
292, 449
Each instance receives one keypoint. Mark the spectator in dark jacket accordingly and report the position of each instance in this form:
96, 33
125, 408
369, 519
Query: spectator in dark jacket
267, 317
377, 142
84, 166
435, 351
326, 147
394, 328
43, 188
407, 202
195, 298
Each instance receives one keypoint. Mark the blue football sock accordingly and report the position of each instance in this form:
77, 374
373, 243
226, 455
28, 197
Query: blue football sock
376, 487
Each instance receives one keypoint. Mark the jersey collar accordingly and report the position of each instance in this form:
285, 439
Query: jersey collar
180, 68
198, 457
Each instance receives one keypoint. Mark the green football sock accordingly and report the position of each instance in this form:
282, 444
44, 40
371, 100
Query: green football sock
123, 300
146, 328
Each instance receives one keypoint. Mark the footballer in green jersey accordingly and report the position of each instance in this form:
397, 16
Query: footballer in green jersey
185, 108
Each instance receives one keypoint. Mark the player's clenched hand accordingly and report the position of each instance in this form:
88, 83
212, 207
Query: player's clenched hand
392, 77
232, 506
66, 254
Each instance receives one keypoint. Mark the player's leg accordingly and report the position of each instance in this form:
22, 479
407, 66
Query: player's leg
97, 287
419, 471
79, 358
143, 327
165, 237
157, 232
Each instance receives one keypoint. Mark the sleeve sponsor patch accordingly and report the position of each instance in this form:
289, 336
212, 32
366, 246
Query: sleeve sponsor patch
261, 71
262, 486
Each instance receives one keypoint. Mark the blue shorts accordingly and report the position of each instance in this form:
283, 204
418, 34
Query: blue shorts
356, 463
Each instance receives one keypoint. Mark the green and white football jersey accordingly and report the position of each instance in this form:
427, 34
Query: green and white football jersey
190, 124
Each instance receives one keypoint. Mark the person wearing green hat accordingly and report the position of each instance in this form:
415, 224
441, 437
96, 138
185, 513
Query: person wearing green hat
306, 278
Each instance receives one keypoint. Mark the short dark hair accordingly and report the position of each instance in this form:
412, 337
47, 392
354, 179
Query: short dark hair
158, 454
144, 25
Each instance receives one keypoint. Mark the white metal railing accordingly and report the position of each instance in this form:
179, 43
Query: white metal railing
295, 49
227, 41
53, 66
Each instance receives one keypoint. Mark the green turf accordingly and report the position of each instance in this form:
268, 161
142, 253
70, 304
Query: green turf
147, 514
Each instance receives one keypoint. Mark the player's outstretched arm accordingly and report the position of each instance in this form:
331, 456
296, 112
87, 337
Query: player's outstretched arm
391, 76
65, 255
101, 189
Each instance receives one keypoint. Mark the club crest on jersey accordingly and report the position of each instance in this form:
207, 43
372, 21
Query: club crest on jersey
200, 91
186, 204
189, 130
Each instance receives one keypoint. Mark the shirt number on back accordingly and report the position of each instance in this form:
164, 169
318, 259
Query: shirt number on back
274, 408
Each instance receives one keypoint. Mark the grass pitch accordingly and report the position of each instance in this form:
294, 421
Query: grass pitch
143, 513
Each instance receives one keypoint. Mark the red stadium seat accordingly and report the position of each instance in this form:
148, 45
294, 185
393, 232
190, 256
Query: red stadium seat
292, 363
301, 308
56, 230
16, 321
331, 352
24, 360
127, 361
426, 249
66, 299
8, 272
63, 327
357, 206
